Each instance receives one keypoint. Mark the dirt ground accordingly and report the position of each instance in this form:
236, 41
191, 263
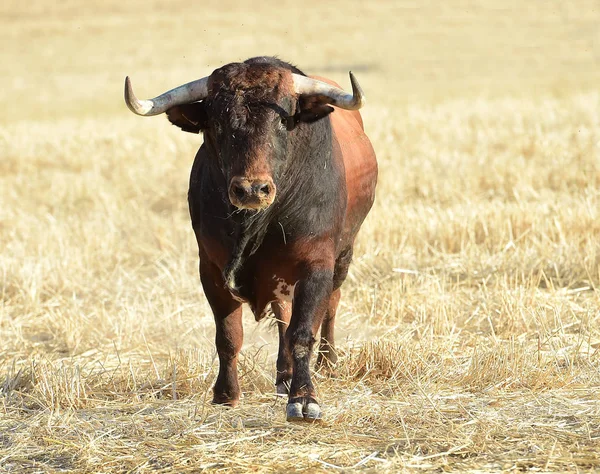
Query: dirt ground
469, 327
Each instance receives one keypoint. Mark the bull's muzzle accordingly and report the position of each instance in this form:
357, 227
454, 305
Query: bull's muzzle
252, 193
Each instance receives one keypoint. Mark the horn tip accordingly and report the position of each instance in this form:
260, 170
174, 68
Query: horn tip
138, 107
129, 95
357, 91
128, 89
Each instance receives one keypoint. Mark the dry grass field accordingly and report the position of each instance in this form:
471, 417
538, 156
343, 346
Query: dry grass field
469, 327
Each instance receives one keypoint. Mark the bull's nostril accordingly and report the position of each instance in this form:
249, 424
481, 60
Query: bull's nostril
239, 191
263, 189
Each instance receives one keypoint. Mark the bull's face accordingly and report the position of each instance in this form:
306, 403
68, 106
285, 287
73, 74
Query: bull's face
247, 110
248, 113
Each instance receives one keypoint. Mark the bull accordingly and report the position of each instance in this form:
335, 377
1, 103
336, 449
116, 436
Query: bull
278, 191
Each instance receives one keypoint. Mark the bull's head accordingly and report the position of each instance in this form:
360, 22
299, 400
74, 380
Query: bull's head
246, 112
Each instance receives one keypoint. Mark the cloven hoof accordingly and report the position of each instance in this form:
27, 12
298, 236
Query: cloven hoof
306, 412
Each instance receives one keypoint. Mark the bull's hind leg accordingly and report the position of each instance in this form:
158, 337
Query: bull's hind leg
229, 334
283, 312
327, 357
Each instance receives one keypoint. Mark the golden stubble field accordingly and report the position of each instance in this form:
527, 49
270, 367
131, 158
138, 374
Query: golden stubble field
469, 327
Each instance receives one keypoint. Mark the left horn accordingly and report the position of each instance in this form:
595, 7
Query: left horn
338, 97
185, 94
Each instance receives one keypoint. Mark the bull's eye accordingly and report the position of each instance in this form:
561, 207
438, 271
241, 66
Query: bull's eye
288, 123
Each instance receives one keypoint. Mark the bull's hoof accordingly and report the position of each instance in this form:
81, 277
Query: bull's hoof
293, 412
303, 409
312, 412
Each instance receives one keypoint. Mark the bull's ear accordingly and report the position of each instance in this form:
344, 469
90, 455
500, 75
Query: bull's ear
191, 118
313, 108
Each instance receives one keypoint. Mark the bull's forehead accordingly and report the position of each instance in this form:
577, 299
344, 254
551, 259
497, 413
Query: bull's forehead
246, 98
257, 81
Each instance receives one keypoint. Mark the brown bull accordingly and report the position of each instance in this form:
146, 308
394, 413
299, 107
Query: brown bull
278, 192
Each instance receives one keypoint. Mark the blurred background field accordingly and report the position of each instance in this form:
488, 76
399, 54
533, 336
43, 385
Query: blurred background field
469, 326
65, 59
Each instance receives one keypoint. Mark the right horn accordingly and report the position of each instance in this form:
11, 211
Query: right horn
338, 97
185, 94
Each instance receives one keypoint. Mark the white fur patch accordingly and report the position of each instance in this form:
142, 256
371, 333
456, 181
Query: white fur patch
284, 291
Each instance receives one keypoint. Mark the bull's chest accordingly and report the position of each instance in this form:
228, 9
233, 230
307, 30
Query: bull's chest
263, 292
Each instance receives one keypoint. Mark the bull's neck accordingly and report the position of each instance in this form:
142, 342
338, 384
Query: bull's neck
304, 181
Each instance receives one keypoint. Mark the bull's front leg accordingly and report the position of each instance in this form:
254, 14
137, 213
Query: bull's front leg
311, 298
229, 334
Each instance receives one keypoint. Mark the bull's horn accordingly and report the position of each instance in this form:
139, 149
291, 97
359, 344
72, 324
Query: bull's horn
185, 94
339, 97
